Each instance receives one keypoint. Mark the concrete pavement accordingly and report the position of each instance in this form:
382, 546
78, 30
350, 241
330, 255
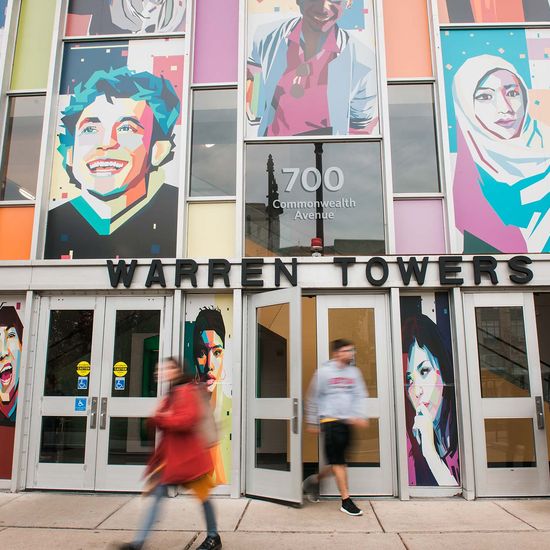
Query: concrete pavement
72, 521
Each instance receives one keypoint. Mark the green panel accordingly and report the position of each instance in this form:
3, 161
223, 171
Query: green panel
32, 50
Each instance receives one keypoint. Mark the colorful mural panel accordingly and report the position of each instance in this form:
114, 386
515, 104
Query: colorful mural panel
300, 58
207, 354
493, 11
115, 173
104, 17
498, 105
430, 403
11, 346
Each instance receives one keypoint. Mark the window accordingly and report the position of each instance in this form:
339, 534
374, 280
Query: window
413, 138
214, 149
22, 148
299, 191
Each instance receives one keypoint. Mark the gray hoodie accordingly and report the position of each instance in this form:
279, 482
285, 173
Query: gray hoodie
336, 392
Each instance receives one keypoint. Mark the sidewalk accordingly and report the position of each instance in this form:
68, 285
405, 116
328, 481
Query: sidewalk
63, 521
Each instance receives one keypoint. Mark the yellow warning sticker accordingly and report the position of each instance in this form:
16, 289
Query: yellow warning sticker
83, 368
120, 368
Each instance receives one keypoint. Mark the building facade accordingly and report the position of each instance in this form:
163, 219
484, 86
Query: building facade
177, 179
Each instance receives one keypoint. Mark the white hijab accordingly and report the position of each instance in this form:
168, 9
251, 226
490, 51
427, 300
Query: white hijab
506, 160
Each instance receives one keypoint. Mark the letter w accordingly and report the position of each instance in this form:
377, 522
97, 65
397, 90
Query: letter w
412, 267
121, 271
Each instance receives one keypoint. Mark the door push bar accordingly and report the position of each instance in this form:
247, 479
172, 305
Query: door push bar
295, 416
540, 412
103, 414
93, 414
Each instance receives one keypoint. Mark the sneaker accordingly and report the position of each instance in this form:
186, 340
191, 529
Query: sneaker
348, 507
311, 488
129, 546
211, 543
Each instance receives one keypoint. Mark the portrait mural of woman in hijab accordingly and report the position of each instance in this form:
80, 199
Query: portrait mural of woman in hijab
498, 103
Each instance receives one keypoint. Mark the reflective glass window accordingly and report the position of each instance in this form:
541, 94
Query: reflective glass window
214, 149
502, 352
413, 138
299, 191
22, 148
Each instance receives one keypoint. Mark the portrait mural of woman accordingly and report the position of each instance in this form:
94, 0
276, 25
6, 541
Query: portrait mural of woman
116, 174
498, 102
11, 345
103, 17
311, 68
430, 405
207, 349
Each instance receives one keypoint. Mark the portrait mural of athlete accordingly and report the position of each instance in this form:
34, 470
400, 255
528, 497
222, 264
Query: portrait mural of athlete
311, 69
207, 350
116, 132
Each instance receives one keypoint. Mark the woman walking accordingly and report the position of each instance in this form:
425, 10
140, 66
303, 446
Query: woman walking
182, 457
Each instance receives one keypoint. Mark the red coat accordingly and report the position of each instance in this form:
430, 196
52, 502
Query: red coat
181, 450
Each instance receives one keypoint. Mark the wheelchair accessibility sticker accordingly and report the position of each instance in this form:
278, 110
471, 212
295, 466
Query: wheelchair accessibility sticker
80, 404
120, 383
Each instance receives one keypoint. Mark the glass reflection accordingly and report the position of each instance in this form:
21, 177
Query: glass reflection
130, 441
68, 359
214, 149
22, 148
300, 191
63, 439
413, 138
135, 353
272, 438
502, 352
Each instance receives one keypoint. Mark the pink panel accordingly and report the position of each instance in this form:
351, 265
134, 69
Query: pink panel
419, 227
216, 41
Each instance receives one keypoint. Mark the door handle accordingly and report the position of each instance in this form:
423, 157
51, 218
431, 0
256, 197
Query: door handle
295, 416
540, 412
93, 414
103, 414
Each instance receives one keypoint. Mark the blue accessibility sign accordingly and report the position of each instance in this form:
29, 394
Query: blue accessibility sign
120, 383
82, 383
80, 404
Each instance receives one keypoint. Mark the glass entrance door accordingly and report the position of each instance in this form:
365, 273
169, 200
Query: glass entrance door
362, 319
274, 408
508, 423
94, 388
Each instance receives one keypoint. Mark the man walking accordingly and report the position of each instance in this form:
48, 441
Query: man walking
336, 402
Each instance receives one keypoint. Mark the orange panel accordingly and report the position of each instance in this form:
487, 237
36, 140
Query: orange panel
407, 32
16, 230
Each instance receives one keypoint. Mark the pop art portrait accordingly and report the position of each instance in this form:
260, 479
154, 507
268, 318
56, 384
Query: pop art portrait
311, 68
114, 185
430, 402
498, 104
103, 17
11, 348
207, 350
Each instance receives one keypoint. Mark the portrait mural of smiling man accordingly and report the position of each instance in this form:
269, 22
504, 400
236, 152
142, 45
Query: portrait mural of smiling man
311, 68
498, 103
114, 183
11, 346
207, 351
